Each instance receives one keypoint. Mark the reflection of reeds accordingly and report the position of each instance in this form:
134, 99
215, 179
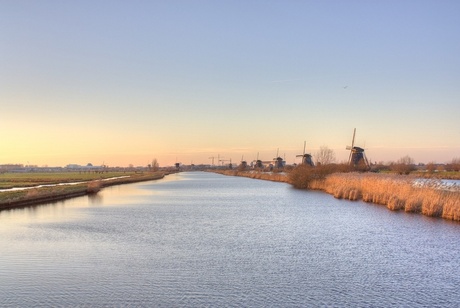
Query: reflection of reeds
397, 192
431, 198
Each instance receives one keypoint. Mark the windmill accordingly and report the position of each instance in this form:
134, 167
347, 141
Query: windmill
258, 163
177, 164
279, 162
356, 154
306, 158
244, 163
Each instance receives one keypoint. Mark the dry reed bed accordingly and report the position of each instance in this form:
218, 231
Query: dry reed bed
396, 192
429, 197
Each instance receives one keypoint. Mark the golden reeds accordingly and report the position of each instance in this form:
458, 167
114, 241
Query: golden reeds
396, 192
430, 198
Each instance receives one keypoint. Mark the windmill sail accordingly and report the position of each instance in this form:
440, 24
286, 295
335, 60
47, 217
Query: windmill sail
357, 156
306, 158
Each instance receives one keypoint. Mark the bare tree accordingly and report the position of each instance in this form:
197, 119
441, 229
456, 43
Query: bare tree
404, 165
454, 165
325, 156
155, 165
431, 167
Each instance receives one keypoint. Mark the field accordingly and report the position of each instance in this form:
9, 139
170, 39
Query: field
91, 183
10, 180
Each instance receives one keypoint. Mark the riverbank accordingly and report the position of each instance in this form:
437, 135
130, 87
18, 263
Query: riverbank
396, 192
32, 179
39, 195
275, 177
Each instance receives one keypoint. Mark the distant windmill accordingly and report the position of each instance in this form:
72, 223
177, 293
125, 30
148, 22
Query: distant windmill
356, 154
279, 162
258, 163
244, 163
306, 158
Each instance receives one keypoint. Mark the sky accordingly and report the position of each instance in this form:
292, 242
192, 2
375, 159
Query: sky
126, 82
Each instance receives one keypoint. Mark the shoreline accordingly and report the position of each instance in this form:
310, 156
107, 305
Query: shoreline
274, 177
396, 192
37, 196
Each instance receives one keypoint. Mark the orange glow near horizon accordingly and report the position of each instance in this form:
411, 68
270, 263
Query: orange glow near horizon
197, 81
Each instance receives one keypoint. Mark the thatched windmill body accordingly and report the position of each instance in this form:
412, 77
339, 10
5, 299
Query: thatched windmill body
243, 163
306, 158
278, 161
357, 156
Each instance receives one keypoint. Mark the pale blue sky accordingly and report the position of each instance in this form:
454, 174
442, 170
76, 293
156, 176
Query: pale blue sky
125, 81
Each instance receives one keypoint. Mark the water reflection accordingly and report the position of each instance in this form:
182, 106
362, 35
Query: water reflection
199, 239
95, 199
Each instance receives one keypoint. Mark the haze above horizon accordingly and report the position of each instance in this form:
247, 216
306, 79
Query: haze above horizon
123, 83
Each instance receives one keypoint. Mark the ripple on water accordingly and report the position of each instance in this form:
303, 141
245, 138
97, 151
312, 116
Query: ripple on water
207, 240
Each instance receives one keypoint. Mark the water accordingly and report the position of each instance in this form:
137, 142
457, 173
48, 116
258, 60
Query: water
206, 240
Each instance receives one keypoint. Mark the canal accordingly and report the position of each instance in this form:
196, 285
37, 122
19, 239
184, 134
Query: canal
202, 239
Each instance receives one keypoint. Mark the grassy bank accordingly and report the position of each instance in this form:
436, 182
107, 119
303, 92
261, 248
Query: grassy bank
9, 180
446, 175
33, 196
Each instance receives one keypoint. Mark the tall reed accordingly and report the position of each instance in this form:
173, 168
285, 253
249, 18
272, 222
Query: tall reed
430, 198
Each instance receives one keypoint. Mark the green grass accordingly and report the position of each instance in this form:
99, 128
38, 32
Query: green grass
447, 175
43, 194
9, 180
29, 194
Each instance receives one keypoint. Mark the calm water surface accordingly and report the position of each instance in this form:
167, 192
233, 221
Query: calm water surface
200, 239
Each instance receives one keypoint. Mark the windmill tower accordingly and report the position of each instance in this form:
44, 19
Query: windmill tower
258, 163
306, 158
243, 163
279, 161
357, 156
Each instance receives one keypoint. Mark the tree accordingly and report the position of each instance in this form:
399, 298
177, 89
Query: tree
325, 156
454, 165
155, 165
431, 167
404, 165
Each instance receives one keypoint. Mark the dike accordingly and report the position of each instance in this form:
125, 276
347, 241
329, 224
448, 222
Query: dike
60, 193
